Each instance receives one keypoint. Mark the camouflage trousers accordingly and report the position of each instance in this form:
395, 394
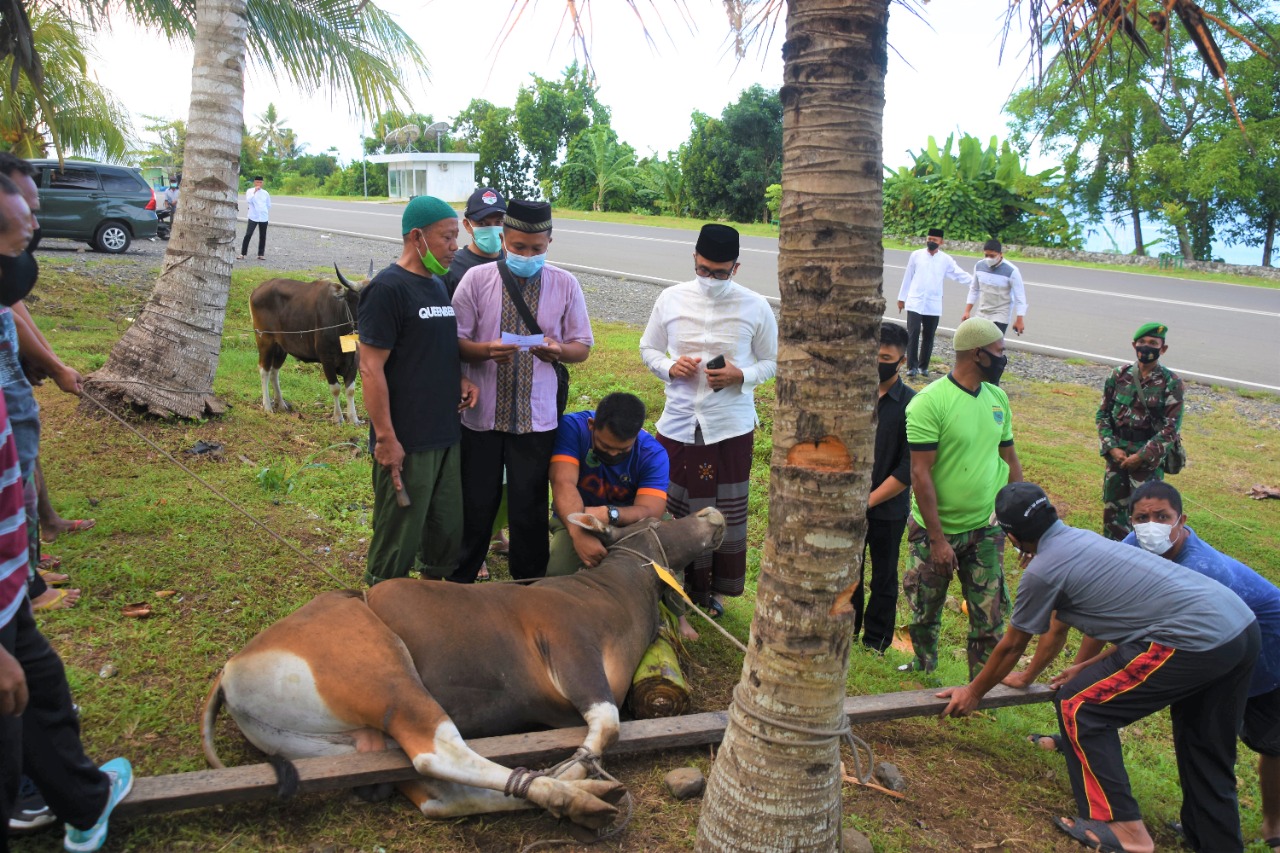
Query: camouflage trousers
980, 557
1117, 486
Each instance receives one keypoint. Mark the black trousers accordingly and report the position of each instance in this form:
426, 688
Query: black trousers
44, 742
884, 539
920, 329
1205, 693
527, 459
262, 239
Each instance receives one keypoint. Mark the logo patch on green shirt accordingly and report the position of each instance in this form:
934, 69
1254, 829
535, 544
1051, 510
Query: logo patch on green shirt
998, 414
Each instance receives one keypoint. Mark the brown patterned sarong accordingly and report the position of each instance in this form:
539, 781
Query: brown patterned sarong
716, 475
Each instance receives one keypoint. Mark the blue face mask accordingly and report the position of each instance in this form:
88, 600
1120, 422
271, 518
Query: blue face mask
488, 238
522, 267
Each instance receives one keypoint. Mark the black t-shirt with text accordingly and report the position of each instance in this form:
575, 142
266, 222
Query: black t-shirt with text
411, 316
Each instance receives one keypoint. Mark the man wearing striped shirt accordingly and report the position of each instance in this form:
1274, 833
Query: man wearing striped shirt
38, 724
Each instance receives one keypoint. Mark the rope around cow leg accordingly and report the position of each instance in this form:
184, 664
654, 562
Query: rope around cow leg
822, 735
594, 771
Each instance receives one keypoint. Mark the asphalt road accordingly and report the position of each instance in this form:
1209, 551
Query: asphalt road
1219, 333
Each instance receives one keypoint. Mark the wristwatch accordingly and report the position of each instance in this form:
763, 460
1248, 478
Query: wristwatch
614, 516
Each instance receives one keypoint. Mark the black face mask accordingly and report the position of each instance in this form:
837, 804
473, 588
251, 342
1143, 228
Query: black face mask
992, 372
35, 240
17, 277
595, 457
932, 246
1146, 355
888, 369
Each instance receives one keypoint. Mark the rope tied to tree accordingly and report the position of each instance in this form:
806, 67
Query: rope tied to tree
821, 736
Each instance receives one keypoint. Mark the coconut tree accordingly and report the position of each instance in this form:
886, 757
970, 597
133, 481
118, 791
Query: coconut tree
165, 363
599, 160
776, 781
71, 111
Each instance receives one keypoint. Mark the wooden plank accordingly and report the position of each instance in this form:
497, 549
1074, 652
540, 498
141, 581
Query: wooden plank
203, 788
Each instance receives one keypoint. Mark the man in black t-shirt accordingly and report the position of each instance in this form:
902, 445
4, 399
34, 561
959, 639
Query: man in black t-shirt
412, 374
482, 219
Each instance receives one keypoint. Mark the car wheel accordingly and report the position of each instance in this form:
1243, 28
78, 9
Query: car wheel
112, 237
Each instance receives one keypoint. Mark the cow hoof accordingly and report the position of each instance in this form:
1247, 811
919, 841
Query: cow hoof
591, 803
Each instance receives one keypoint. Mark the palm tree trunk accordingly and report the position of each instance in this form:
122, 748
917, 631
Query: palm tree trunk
772, 786
165, 363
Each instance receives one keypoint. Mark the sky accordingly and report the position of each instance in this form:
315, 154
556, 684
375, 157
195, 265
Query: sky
946, 74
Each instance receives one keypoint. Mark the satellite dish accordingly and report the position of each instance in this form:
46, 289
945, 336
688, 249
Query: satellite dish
411, 132
439, 127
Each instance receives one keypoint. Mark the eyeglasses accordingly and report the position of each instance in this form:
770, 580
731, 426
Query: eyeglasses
718, 275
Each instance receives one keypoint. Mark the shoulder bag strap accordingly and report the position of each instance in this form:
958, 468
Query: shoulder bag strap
509, 281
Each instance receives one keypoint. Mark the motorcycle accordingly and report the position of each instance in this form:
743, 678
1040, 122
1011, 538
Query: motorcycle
165, 223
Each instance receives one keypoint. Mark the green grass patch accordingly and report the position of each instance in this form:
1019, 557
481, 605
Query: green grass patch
972, 782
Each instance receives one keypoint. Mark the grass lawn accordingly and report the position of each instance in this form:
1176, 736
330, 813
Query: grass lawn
972, 783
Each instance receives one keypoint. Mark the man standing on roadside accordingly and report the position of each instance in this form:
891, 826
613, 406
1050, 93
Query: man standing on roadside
258, 202
412, 375
513, 425
921, 295
482, 219
889, 503
1138, 423
997, 290
711, 341
960, 430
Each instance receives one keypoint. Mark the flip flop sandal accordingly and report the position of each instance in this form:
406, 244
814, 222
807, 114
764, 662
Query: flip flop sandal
49, 562
1079, 830
80, 524
1273, 843
53, 578
483, 574
715, 609
55, 603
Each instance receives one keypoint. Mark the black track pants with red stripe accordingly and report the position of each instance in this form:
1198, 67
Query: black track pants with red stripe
1205, 693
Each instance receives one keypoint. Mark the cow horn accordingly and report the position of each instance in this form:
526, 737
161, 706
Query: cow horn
343, 280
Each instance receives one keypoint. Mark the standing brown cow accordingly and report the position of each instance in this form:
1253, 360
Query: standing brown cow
306, 320
427, 664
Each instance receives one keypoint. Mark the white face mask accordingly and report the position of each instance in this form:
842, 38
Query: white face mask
994, 262
707, 284
1154, 536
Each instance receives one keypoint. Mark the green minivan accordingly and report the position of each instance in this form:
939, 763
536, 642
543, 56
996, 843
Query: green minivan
106, 206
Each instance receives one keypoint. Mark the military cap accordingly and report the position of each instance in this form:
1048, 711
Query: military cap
1151, 330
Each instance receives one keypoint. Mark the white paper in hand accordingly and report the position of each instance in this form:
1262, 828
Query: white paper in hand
522, 341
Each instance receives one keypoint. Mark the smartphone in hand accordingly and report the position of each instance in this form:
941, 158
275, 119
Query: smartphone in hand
715, 364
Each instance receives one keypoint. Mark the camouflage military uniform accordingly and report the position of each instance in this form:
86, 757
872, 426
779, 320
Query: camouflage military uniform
979, 554
1137, 416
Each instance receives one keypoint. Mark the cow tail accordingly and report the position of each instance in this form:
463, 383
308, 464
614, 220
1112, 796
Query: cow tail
212, 704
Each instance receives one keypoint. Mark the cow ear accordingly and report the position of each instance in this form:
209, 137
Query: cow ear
589, 523
338, 291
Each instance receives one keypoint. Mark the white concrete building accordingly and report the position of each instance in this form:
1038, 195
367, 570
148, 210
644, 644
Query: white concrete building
451, 177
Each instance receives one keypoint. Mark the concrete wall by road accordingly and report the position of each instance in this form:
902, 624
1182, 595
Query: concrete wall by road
1033, 252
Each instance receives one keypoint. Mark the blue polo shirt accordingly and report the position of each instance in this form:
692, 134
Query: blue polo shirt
644, 471
1260, 594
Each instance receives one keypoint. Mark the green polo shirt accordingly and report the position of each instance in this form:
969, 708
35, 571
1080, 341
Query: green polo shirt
967, 429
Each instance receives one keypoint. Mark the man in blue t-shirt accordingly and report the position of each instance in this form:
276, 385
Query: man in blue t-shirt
605, 465
1160, 526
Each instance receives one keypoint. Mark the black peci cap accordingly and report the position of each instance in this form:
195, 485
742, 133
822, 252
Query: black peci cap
1023, 509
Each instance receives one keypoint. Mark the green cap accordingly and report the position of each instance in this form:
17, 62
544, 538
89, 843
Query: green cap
1151, 330
424, 210
976, 332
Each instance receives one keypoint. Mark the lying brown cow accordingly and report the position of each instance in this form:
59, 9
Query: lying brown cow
306, 320
428, 664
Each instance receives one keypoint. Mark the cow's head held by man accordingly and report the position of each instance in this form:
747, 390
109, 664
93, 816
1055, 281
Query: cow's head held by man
427, 664
307, 320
